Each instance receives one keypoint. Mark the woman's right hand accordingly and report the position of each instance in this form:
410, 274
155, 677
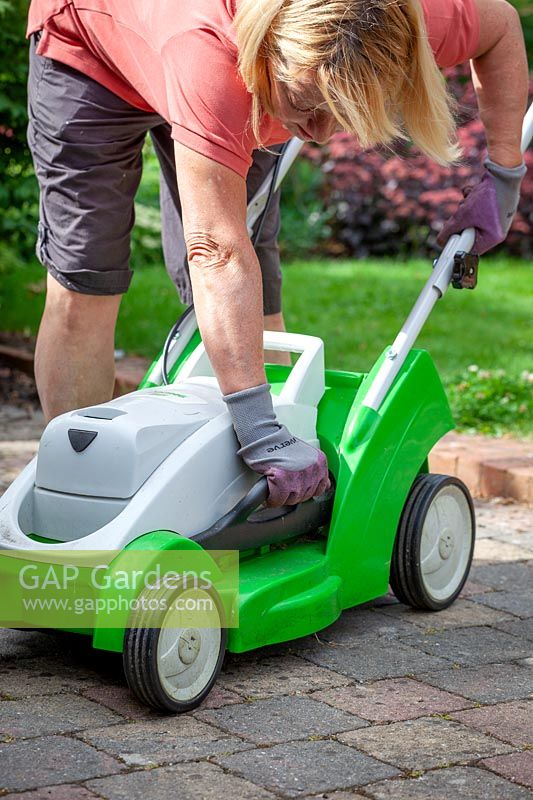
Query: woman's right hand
295, 470
227, 287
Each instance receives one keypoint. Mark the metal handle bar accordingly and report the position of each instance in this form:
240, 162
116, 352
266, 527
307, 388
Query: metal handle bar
436, 285
257, 203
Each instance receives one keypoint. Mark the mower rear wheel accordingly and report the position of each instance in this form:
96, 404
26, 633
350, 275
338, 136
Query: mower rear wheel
169, 664
434, 544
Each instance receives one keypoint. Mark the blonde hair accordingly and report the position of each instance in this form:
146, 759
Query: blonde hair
372, 60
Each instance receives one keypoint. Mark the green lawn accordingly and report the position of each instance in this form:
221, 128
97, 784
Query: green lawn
356, 307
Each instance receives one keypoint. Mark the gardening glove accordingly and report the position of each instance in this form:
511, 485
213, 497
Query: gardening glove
296, 471
488, 207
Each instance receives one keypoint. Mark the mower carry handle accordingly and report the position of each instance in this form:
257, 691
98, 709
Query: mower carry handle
305, 382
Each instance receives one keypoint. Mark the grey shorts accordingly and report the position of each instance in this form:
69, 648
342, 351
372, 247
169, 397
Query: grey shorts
86, 144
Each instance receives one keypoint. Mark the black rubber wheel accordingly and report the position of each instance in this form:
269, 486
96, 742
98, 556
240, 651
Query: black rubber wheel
171, 669
434, 544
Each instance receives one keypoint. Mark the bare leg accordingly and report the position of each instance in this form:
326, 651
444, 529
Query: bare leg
275, 322
74, 357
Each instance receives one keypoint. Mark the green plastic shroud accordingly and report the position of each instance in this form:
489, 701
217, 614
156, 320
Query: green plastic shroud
299, 587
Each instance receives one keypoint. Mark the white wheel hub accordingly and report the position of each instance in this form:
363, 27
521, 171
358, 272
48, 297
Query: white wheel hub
187, 657
446, 542
189, 645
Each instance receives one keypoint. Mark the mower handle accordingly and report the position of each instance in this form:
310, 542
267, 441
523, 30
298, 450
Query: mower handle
239, 513
257, 204
241, 528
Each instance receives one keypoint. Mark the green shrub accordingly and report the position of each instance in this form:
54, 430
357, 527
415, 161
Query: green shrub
525, 9
304, 216
18, 187
491, 401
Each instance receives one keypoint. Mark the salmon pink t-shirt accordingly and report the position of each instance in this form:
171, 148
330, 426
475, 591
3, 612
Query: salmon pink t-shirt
179, 59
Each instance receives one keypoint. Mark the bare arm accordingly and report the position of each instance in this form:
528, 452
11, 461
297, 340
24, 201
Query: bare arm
225, 272
500, 76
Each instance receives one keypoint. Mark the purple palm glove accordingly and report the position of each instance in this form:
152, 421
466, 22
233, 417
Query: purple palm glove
295, 470
488, 207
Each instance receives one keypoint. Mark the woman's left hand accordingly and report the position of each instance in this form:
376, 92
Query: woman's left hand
489, 207
500, 76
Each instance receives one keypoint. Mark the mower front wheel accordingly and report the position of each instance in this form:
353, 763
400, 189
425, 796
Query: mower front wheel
170, 663
434, 544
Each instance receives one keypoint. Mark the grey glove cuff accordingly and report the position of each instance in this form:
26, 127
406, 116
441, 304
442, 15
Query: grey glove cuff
280, 449
508, 174
252, 414
264, 441
507, 182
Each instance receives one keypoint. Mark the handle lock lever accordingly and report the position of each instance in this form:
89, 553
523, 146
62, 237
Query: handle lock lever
464, 273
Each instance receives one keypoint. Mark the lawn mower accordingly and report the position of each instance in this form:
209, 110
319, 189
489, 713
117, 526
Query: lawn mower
157, 471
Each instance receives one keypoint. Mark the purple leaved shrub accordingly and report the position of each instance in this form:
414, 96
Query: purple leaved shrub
395, 202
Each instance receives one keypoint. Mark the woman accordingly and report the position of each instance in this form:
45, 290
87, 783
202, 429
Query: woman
229, 80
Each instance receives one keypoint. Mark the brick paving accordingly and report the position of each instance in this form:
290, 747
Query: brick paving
386, 704
490, 468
